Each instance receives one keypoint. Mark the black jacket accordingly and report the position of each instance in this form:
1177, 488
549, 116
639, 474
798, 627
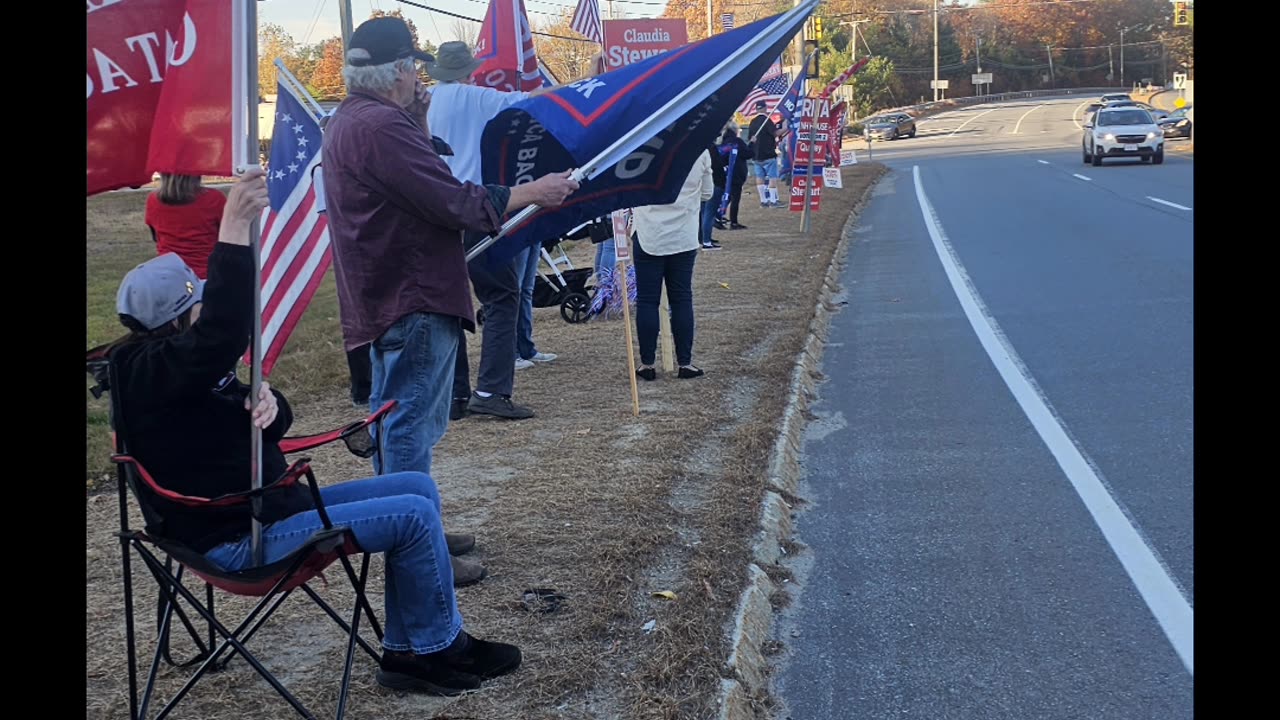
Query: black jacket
184, 415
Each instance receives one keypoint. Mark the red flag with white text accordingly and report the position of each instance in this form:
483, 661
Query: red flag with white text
158, 90
505, 45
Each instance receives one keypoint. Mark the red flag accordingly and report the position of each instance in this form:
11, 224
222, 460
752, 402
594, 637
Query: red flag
835, 136
159, 90
506, 47
843, 77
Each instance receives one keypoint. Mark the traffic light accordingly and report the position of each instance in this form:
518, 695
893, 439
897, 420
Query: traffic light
817, 28
1180, 13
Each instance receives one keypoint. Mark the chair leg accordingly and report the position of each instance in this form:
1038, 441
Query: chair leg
354, 635
340, 621
163, 622
128, 628
231, 640
276, 601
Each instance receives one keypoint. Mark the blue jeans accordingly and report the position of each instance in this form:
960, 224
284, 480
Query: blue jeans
708, 218
413, 365
397, 514
676, 271
605, 256
525, 349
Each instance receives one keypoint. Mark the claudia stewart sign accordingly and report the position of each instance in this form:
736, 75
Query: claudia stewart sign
630, 41
158, 90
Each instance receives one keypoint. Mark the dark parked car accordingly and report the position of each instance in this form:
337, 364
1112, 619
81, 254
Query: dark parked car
1177, 124
890, 127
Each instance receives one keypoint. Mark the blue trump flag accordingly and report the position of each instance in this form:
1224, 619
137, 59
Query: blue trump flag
631, 135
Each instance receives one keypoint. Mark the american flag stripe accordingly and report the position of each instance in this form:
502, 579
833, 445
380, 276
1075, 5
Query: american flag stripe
294, 249
586, 20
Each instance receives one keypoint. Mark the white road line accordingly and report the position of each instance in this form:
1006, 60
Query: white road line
1024, 117
1077, 112
1158, 589
975, 117
1043, 162
1166, 202
1082, 177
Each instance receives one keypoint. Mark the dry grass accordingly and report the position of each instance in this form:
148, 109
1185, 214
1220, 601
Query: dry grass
605, 508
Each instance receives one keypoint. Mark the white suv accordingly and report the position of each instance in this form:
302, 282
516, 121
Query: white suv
1122, 132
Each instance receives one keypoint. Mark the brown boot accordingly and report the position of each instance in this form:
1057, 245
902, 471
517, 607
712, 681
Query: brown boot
460, 543
467, 573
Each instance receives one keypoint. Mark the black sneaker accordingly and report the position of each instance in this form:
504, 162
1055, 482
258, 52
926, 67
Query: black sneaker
481, 658
432, 674
713, 245
737, 226
688, 372
498, 406
458, 409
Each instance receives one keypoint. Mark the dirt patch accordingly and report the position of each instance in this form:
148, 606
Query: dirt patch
605, 508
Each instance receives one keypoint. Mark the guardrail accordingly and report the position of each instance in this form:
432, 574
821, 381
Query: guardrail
925, 108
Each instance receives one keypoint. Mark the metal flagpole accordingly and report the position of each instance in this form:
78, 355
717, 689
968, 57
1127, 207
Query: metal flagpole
655, 123
300, 90
247, 33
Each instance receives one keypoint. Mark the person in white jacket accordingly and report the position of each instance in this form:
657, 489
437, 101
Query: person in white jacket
666, 245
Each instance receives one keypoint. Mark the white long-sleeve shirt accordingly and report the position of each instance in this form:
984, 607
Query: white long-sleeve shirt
673, 228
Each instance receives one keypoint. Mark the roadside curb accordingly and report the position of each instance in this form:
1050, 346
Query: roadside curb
747, 665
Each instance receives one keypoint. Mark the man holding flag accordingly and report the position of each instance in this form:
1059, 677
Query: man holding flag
396, 216
763, 136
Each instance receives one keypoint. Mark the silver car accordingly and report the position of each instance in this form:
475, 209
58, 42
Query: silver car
889, 127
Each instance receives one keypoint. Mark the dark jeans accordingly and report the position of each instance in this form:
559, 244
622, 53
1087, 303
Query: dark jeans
499, 295
677, 272
361, 374
735, 199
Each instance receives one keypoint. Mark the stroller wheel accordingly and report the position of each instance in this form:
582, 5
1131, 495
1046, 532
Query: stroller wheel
575, 308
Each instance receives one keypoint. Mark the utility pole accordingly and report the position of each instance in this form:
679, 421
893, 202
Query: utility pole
1052, 82
977, 48
709, 30
344, 8
935, 50
1122, 31
1111, 65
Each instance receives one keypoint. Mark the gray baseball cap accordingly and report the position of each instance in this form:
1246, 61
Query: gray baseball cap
159, 291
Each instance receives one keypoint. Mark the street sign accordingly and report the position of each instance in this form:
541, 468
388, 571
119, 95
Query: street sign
982, 78
939, 84
1179, 81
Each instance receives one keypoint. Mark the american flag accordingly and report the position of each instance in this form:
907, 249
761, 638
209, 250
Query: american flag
294, 249
726, 21
771, 89
586, 20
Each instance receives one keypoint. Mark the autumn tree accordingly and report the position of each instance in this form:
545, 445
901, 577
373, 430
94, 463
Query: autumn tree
326, 79
694, 13
273, 44
567, 59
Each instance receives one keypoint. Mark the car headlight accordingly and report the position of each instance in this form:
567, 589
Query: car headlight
1108, 137
1151, 136
1183, 121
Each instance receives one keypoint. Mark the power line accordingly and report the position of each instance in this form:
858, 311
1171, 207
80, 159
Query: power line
477, 20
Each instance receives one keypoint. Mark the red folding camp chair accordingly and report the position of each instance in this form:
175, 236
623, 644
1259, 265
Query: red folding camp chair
272, 583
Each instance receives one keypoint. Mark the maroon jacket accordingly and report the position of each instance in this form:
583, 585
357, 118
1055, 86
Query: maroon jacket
396, 217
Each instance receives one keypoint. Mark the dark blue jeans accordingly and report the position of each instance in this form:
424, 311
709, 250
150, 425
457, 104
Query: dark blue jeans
708, 218
677, 272
397, 514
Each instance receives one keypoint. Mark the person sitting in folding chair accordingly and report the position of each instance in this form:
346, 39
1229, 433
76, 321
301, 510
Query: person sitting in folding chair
188, 417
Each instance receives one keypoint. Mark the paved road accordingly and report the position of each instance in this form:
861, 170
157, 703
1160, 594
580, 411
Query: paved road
1000, 518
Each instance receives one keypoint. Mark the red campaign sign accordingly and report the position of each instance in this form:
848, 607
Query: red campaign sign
797, 192
815, 122
159, 87
630, 41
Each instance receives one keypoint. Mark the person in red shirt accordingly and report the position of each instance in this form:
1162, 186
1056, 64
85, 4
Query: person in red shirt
183, 217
